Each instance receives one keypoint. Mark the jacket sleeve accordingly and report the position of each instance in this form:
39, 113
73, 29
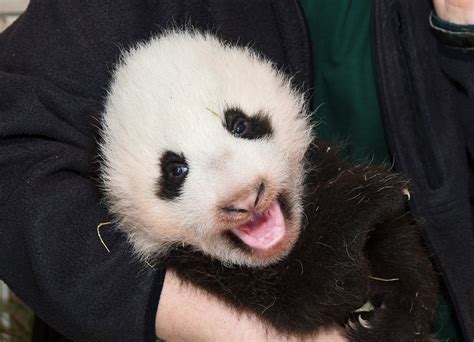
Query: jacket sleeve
456, 57
456, 47
53, 75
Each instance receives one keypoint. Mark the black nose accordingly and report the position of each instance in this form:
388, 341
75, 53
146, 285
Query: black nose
247, 202
261, 190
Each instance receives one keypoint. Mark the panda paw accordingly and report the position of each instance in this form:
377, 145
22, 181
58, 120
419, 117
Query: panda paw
360, 321
367, 323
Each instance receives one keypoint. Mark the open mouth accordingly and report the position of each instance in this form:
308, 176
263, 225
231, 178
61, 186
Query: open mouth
264, 230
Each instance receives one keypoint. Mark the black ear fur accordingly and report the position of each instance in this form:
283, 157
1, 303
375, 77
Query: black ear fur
357, 235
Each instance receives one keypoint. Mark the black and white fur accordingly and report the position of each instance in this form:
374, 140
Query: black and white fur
200, 137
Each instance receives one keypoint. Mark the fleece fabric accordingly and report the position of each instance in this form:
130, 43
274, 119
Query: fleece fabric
426, 95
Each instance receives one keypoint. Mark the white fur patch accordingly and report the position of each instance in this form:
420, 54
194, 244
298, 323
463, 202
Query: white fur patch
164, 96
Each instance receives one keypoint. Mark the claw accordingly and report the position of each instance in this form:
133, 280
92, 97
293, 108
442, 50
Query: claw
364, 322
352, 325
406, 192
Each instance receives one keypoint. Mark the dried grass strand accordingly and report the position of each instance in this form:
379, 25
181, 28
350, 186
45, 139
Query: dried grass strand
100, 236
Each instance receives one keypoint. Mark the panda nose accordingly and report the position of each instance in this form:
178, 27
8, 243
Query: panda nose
246, 202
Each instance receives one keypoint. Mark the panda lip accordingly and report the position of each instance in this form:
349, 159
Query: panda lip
264, 230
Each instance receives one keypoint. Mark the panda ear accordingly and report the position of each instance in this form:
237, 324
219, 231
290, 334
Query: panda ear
174, 170
247, 127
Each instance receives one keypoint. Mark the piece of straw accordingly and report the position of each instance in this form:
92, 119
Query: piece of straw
383, 279
100, 236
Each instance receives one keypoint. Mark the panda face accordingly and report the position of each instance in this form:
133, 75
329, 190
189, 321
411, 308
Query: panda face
204, 146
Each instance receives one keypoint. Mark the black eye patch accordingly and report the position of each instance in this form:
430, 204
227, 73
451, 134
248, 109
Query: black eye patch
243, 126
174, 170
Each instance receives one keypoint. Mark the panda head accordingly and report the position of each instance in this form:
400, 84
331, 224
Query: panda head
203, 146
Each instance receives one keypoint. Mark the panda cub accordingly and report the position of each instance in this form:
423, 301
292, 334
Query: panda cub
210, 167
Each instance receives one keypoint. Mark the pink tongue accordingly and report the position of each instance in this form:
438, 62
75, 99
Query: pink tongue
265, 230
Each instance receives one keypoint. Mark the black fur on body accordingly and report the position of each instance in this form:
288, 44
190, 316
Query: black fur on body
359, 244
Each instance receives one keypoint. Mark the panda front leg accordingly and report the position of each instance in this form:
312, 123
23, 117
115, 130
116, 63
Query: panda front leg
403, 286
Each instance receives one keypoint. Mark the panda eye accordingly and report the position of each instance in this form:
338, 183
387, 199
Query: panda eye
177, 170
239, 128
242, 126
174, 169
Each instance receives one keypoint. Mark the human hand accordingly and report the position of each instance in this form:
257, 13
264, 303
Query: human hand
186, 313
459, 12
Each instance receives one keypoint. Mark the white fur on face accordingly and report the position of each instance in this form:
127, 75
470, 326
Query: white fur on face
170, 94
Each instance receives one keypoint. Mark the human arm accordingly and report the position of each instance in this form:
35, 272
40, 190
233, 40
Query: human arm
186, 313
452, 22
455, 32
425, 92
459, 12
